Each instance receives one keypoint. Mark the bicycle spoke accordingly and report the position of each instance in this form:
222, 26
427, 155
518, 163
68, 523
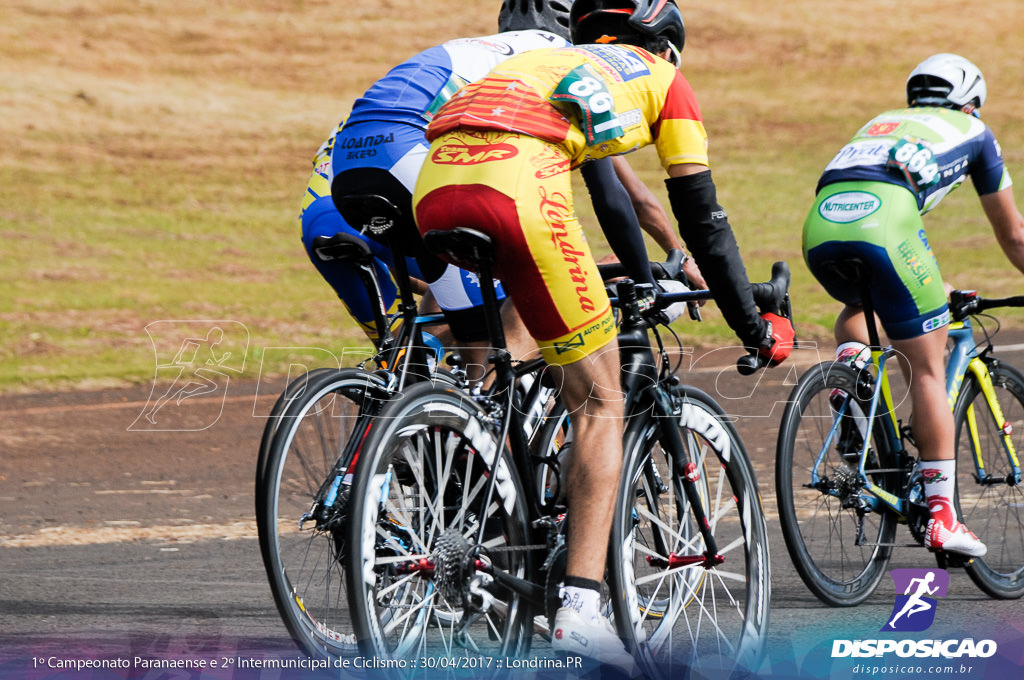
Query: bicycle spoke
686, 613
815, 478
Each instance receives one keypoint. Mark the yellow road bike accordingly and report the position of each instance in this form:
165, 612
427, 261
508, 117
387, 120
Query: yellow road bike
845, 478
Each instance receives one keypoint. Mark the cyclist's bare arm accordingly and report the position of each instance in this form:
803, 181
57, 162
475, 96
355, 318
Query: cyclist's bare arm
653, 218
1007, 223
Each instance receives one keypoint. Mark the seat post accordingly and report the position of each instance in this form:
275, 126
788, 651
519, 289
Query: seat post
869, 313
492, 313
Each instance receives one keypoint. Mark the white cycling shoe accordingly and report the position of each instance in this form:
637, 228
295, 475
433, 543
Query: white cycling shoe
956, 539
594, 639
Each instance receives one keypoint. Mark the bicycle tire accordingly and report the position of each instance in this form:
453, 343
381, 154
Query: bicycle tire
821, 533
995, 512
550, 456
674, 612
291, 392
301, 559
421, 484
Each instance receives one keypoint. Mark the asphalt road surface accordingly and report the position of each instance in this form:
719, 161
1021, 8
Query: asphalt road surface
121, 537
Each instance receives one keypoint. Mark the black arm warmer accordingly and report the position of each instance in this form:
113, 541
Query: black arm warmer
705, 229
618, 221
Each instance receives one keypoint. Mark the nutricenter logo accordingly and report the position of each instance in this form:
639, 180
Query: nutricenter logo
914, 611
849, 206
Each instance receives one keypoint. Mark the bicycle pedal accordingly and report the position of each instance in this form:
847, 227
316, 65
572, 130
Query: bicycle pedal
947, 560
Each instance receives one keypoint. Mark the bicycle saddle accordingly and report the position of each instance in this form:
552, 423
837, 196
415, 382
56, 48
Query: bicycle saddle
341, 246
467, 247
853, 269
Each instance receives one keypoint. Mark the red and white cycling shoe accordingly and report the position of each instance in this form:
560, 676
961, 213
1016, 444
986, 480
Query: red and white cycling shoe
954, 539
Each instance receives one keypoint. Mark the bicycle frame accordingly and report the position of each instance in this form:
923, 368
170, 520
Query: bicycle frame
644, 390
964, 359
880, 398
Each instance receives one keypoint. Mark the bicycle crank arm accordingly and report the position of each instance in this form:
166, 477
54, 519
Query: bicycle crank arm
531, 591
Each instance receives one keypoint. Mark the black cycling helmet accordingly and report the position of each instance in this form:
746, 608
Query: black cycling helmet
634, 22
546, 15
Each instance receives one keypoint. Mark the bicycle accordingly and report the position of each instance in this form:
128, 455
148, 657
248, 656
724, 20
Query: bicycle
309, 451
845, 479
454, 556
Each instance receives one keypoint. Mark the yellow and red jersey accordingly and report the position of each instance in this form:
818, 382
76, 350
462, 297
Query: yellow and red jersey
593, 100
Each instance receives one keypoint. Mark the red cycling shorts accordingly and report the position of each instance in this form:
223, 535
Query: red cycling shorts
518, 190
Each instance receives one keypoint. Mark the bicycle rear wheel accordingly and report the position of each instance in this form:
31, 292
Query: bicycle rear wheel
294, 390
676, 606
839, 548
299, 530
992, 506
429, 530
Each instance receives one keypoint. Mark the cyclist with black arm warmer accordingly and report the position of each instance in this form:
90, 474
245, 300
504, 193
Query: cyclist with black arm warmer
869, 203
380, 147
500, 159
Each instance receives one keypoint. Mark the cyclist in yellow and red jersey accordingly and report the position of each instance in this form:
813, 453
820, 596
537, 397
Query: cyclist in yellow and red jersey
500, 159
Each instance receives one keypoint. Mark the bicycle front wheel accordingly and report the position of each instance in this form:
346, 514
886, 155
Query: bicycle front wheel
839, 547
989, 499
437, 533
677, 604
298, 518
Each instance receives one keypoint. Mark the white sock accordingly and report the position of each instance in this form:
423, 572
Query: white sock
586, 601
854, 353
939, 487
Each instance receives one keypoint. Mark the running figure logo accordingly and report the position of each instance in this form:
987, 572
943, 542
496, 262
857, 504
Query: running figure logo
193, 359
914, 610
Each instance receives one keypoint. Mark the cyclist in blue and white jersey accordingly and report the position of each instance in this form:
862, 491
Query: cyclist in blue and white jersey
869, 203
380, 146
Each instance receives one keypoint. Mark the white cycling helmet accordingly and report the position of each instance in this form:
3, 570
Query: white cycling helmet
946, 80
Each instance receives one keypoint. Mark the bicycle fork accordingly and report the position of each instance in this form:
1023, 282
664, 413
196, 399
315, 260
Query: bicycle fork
681, 461
980, 370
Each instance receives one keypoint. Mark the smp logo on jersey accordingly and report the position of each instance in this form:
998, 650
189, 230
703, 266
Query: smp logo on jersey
914, 610
464, 154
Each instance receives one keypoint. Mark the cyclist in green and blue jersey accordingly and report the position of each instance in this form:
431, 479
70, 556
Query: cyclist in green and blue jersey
869, 204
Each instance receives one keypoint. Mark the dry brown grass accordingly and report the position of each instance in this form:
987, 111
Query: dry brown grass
165, 145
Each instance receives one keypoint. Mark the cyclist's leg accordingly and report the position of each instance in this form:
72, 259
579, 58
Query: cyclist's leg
589, 387
932, 417
850, 325
934, 433
551, 277
322, 219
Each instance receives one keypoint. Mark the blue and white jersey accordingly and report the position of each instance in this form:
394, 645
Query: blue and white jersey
951, 146
415, 89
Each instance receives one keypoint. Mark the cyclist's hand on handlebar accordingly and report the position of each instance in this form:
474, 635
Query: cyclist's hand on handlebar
693, 275
779, 339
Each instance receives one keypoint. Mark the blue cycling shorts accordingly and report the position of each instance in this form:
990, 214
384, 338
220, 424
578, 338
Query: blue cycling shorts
321, 218
400, 150
879, 224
